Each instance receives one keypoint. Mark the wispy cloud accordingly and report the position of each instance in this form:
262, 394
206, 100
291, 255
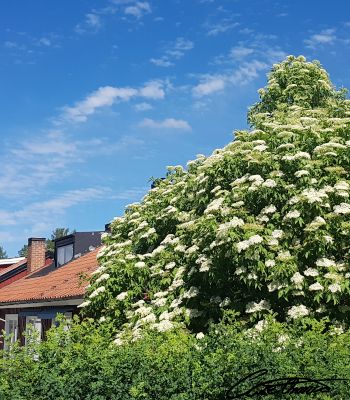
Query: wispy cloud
138, 9
91, 24
44, 210
168, 123
210, 85
325, 37
242, 64
106, 96
143, 106
223, 26
175, 51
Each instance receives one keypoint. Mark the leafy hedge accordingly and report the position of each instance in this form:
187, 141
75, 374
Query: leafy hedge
83, 364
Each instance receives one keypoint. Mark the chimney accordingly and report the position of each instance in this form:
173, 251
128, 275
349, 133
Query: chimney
36, 254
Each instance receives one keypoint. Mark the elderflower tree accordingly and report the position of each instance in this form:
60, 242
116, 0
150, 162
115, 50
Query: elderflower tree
261, 226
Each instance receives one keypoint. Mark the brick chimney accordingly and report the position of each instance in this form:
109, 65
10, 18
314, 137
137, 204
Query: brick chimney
36, 254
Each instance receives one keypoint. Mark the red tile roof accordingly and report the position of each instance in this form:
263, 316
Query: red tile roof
50, 283
11, 267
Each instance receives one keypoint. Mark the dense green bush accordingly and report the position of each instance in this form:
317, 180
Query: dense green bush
82, 363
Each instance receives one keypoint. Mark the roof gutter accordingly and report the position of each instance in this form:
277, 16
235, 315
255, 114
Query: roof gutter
67, 302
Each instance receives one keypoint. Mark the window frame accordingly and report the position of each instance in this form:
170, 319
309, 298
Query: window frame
8, 319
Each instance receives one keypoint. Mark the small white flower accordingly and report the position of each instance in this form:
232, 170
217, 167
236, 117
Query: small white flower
325, 262
270, 263
269, 209
255, 307
297, 278
298, 311
342, 208
311, 272
140, 264
192, 292
84, 304
103, 277
122, 296
277, 234
200, 335
334, 288
292, 214
270, 183
97, 292
316, 286
301, 173
261, 325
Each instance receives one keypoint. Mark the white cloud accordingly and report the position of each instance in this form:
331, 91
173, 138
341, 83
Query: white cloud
325, 37
44, 41
107, 96
175, 51
223, 26
138, 9
44, 210
240, 52
210, 86
161, 62
143, 106
152, 90
168, 123
91, 24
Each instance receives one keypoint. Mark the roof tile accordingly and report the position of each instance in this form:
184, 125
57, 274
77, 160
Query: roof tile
49, 282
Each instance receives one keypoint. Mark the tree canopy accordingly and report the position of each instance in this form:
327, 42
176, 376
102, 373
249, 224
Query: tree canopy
260, 227
3, 253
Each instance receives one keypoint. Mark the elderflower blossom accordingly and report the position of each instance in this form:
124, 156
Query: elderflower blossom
96, 292
297, 278
243, 245
334, 288
302, 172
277, 234
316, 286
298, 311
84, 304
325, 262
192, 292
253, 307
311, 272
269, 183
103, 277
269, 209
292, 214
342, 208
140, 264
314, 196
122, 296
215, 205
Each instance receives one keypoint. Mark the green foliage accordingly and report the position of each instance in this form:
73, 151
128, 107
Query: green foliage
260, 227
296, 82
81, 363
56, 234
24, 251
3, 253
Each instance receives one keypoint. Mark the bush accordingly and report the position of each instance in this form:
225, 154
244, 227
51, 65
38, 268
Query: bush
83, 364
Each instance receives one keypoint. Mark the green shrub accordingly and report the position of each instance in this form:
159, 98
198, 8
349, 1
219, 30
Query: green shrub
82, 363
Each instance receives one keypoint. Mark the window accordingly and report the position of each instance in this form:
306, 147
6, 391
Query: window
68, 316
11, 328
33, 322
64, 254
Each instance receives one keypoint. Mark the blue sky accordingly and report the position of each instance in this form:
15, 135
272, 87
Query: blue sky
98, 96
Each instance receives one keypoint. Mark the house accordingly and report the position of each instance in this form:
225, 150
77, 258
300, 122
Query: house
49, 288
